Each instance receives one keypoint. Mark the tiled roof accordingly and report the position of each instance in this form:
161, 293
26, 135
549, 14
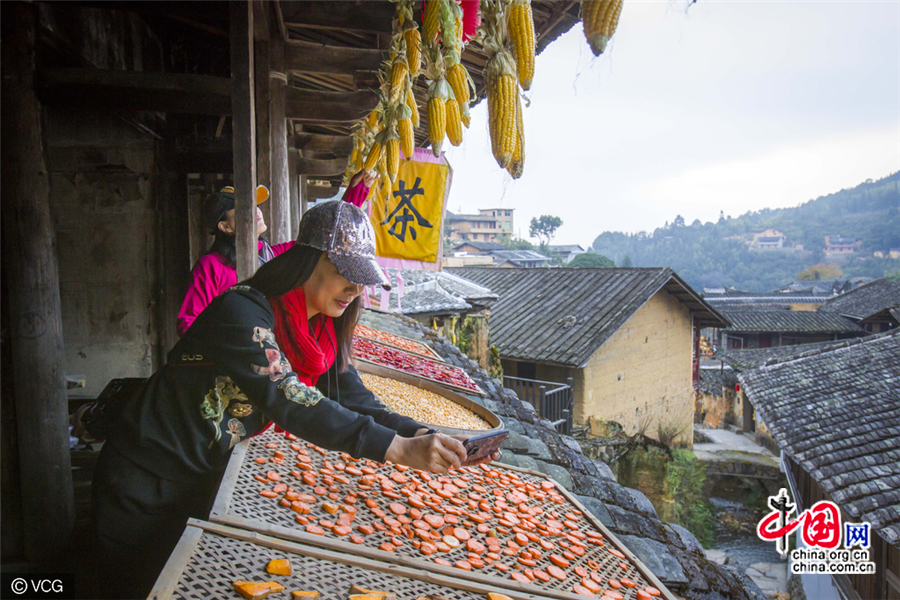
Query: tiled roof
483, 246
563, 315
783, 321
865, 300
575, 248
434, 292
670, 551
744, 360
518, 256
836, 413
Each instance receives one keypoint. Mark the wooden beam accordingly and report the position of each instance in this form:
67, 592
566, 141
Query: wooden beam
295, 191
312, 106
309, 57
260, 20
319, 192
280, 199
31, 273
244, 137
314, 142
175, 262
353, 16
559, 13
129, 90
321, 167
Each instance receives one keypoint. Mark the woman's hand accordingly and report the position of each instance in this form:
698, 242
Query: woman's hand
367, 177
462, 439
437, 452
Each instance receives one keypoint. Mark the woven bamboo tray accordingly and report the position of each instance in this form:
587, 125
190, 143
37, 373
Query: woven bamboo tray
439, 388
427, 351
240, 504
209, 558
364, 364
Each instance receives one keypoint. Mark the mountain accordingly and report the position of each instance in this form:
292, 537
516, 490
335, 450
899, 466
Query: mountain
727, 252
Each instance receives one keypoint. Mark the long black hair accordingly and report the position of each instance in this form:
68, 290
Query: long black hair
224, 244
290, 270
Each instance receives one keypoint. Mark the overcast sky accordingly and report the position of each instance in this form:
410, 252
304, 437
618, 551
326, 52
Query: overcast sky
730, 106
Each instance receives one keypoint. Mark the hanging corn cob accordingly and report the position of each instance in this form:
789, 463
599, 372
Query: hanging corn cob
500, 76
406, 25
457, 76
399, 76
600, 18
413, 107
438, 92
521, 30
454, 124
517, 164
405, 130
432, 10
374, 156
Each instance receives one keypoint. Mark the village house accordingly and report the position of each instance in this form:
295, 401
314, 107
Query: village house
486, 226
835, 414
567, 253
837, 245
869, 305
473, 247
627, 338
516, 259
764, 329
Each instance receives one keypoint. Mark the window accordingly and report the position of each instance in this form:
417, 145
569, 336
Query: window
506, 225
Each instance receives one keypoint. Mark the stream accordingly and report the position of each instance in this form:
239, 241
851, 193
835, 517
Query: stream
743, 547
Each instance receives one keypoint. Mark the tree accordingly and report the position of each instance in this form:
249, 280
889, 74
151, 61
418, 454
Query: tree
544, 228
626, 262
514, 243
819, 272
589, 260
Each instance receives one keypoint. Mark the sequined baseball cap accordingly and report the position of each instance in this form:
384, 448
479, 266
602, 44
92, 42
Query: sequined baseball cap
346, 234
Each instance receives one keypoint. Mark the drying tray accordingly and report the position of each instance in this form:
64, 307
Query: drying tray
428, 352
239, 504
364, 364
440, 389
210, 557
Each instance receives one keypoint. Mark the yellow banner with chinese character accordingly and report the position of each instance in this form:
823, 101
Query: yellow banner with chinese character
408, 226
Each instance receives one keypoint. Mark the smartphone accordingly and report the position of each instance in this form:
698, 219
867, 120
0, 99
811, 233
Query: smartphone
483, 446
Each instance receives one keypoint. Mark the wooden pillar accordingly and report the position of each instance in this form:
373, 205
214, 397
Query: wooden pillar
175, 250
304, 195
280, 200
261, 102
31, 272
293, 158
244, 136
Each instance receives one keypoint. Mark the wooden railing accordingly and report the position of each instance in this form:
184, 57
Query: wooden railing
552, 401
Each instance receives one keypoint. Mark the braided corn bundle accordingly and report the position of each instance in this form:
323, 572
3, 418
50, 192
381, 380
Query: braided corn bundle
413, 106
521, 30
399, 76
600, 18
405, 130
438, 93
432, 20
454, 122
517, 165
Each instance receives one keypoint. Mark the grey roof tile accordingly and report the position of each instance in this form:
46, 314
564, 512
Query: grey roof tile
563, 315
837, 413
784, 321
866, 300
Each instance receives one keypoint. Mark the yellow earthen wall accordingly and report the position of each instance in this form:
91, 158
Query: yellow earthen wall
642, 375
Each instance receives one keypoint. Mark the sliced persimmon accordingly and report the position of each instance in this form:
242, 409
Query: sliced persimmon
268, 494
559, 561
643, 595
314, 529
616, 553
520, 577
591, 585
614, 584
555, 571
582, 591
627, 583
652, 590
443, 561
341, 530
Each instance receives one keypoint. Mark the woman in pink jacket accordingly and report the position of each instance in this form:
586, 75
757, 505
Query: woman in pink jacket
216, 271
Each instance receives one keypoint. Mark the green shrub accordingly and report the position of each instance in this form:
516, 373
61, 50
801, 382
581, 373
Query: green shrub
684, 482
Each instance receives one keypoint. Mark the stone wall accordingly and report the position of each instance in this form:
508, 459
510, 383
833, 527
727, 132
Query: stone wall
718, 410
103, 204
641, 377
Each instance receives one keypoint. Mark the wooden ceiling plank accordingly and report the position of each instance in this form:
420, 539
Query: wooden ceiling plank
309, 57
376, 17
313, 142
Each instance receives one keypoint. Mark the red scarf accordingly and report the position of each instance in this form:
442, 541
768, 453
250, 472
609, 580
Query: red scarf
309, 355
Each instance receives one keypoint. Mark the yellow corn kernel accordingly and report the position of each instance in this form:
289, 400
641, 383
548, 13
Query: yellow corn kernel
521, 29
454, 125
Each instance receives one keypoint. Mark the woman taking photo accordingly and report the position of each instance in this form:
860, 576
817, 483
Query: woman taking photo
253, 356
216, 271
